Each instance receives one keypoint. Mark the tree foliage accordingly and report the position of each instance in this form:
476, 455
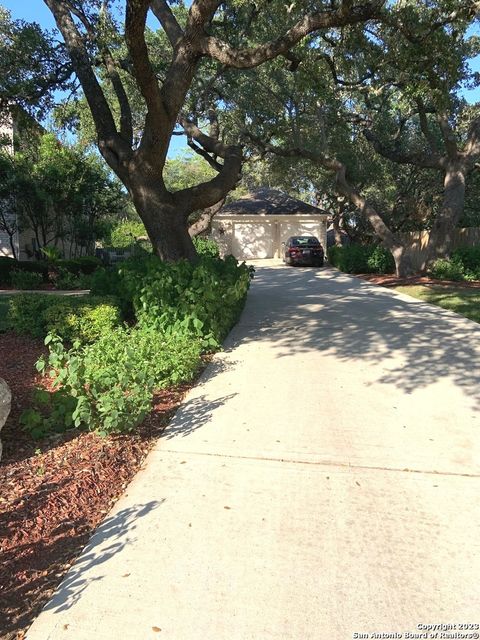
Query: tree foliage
32, 64
59, 192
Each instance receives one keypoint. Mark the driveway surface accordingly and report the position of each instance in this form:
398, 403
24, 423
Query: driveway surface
321, 481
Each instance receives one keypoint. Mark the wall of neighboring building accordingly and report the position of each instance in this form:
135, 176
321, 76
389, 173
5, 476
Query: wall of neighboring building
7, 129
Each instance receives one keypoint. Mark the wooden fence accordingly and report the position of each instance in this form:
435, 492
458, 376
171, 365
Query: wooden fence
418, 240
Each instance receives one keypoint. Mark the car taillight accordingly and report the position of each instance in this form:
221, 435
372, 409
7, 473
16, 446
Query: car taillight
292, 250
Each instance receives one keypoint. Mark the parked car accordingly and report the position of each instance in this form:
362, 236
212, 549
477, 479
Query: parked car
304, 250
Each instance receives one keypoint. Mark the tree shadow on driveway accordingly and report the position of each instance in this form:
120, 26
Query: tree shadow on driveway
118, 530
193, 414
301, 310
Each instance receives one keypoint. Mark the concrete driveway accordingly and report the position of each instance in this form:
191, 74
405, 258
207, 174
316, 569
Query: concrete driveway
322, 481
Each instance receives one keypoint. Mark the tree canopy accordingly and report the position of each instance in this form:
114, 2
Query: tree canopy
356, 104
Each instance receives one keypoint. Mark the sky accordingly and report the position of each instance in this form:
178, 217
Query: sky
37, 11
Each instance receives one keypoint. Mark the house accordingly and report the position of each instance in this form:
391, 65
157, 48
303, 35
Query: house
255, 225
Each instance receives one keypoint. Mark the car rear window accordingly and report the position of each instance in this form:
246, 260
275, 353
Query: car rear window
305, 242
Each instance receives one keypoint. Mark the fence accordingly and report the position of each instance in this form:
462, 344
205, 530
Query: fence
418, 241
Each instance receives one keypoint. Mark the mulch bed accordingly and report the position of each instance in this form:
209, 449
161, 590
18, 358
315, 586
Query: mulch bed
55, 492
389, 280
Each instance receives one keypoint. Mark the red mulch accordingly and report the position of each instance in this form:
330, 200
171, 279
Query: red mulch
389, 280
55, 492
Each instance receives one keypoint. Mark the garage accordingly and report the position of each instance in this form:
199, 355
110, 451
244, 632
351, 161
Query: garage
254, 226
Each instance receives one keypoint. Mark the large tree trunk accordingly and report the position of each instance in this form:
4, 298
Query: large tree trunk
165, 223
337, 220
390, 240
441, 235
12, 244
403, 261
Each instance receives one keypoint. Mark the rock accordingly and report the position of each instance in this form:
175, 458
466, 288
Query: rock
5, 404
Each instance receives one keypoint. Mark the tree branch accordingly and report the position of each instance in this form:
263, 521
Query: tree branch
448, 135
201, 11
430, 138
344, 83
156, 125
209, 143
208, 193
428, 161
168, 21
111, 145
252, 57
205, 155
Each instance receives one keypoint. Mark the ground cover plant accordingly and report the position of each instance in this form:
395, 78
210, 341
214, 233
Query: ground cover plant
462, 300
4, 304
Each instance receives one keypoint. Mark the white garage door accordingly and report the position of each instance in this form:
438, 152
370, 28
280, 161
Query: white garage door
253, 240
288, 229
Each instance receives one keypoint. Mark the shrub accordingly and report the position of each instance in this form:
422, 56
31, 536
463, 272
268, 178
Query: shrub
469, 259
8, 265
380, 260
84, 318
444, 269
25, 280
355, 258
52, 413
67, 280
25, 313
110, 281
126, 233
206, 298
112, 380
206, 247
82, 265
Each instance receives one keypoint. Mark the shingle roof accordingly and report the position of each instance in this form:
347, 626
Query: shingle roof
268, 202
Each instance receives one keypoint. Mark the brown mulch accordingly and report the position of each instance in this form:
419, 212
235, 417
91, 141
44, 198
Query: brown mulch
389, 280
55, 492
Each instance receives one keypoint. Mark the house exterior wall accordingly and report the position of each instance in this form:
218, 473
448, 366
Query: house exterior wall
7, 131
257, 237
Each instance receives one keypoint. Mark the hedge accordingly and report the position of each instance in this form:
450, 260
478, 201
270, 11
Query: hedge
78, 266
8, 265
355, 258
83, 318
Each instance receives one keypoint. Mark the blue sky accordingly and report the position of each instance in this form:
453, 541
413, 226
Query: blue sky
36, 10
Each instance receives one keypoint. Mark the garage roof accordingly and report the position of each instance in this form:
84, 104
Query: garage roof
269, 202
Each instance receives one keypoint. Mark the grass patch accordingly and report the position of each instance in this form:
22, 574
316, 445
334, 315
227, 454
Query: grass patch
464, 301
4, 302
